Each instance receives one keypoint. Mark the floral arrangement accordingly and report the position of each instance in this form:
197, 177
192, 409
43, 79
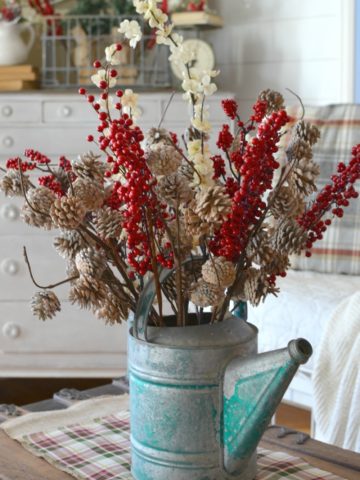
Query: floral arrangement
226, 223
10, 11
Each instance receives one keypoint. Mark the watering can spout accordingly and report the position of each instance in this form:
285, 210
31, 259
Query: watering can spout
253, 388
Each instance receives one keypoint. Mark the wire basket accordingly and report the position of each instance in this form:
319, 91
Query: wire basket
70, 44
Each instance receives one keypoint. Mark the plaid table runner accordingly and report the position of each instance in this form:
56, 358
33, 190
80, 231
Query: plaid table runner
100, 450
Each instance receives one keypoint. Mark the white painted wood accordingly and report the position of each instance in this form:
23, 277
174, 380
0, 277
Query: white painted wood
305, 46
19, 111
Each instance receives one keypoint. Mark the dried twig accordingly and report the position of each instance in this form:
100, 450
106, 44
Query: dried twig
47, 287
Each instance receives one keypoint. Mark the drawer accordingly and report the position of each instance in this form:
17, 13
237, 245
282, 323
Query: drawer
60, 112
47, 266
82, 112
13, 111
71, 330
49, 141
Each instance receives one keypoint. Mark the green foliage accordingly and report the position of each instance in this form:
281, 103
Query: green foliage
123, 7
96, 7
89, 7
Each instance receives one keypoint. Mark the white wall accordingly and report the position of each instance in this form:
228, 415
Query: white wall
304, 45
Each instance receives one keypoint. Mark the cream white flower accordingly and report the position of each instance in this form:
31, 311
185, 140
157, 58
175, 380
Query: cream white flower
163, 34
132, 31
194, 147
102, 76
113, 55
200, 120
207, 87
129, 102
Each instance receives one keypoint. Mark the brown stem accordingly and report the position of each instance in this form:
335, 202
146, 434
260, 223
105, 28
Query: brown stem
24, 193
154, 265
166, 109
186, 159
47, 287
179, 286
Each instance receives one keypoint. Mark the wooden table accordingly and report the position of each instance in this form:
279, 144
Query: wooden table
18, 464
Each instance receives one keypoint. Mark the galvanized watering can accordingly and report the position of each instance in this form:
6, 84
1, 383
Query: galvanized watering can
201, 396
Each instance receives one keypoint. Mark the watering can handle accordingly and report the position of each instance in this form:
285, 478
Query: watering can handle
27, 27
146, 300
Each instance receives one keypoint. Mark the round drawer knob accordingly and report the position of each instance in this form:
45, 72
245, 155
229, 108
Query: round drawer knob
66, 111
10, 212
8, 142
11, 330
7, 111
10, 266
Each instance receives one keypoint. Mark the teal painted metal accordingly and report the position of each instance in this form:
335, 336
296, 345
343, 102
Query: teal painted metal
201, 397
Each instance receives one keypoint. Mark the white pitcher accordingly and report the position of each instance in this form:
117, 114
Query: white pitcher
14, 49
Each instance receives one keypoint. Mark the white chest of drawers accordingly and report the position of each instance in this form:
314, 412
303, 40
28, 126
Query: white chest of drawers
74, 344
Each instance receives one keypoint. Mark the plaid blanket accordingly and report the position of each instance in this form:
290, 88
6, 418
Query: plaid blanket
100, 450
339, 251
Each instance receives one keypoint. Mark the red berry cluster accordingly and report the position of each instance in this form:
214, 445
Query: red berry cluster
35, 157
332, 198
225, 138
65, 164
13, 164
230, 108
50, 182
218, 166
136, 195
260, 109
257, 174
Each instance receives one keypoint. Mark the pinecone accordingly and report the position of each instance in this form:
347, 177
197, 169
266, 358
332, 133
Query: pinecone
194, 225
41, 200
286, 203
289, 237
187, 171
218, 271
299, 150
90, 167
10, 184
303, 177
307, 132
205, 294
107, 222
45, 304
255, 288
89, 193
158, 135
91, 263
71, 270
68, 244
114, 310
277, 264
88, 292
258, 249
274, 100
163, 159
213, 205
190, 274
174, 189
186, 241
67, 212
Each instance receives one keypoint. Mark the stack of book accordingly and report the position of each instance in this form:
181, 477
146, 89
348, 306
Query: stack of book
18, 77
197, 19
